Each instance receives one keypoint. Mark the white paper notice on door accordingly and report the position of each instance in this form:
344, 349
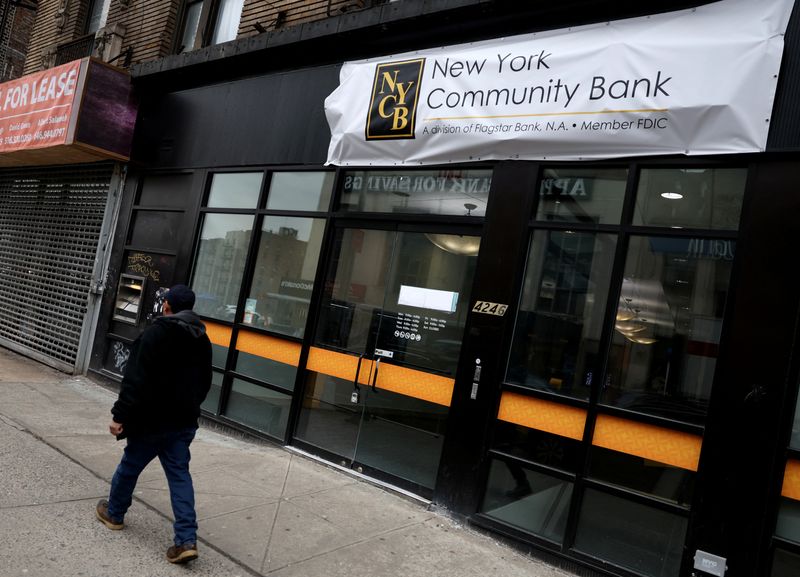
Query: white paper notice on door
425, 298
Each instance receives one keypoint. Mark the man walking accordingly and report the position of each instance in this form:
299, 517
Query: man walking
167, 377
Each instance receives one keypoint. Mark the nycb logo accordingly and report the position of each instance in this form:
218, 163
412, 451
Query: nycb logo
393, 106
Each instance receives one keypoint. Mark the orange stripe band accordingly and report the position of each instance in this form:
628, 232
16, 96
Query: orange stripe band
268, 347
417, 384
408, 382
791, 481
338, 365
218, 334
545, 416
666, 446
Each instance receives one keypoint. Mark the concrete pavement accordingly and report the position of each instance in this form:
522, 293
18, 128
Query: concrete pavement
262, 509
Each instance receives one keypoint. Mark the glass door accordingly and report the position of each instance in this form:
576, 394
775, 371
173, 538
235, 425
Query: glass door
382, 367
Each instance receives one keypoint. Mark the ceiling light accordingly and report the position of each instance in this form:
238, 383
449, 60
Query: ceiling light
623, 315
456, 244
672, 195
633, 331
642, 340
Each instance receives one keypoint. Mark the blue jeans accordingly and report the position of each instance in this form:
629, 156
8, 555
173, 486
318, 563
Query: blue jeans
172, 449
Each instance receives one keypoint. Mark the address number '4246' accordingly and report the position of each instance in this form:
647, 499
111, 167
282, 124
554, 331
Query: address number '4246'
487, 308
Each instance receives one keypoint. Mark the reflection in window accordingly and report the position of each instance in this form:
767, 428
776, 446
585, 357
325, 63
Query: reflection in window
265, 369
98, 15
284, 275
219, 266
550, 450
785, 564
668, 326
456, 192
258, 407
645, 476
789, 520
235, 190
355, 288
300, 191
527, 499
368, 307
582, 195
690, 197
191, 24
229, 13
427, 300
212, 399
561, 312
641, 538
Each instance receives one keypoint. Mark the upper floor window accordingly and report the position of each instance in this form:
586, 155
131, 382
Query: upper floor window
97, 15
207, 22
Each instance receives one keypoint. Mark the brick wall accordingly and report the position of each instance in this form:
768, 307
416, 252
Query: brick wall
150, 25
296, 12
21, 23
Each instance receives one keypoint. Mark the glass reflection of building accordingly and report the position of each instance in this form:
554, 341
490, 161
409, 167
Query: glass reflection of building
215, 278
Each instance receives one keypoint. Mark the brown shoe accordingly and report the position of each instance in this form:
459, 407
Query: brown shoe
105, 519
182, 553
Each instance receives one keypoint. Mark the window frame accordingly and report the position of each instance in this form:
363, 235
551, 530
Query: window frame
210, 12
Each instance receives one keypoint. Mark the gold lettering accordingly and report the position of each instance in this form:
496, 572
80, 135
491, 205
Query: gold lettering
390, 80
402, 90
400, 118
381, 106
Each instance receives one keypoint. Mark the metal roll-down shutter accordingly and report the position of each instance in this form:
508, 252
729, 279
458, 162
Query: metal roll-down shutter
50, 225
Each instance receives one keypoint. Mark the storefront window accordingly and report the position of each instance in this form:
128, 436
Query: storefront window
583, 195
527, 499
561, 312
645, 476
258, 407
212, 399
668, 326
219, 266
553, 451
709, 198
785, 564
644, 539
284, 275
300, 191
789, 520
235, 190
454, 192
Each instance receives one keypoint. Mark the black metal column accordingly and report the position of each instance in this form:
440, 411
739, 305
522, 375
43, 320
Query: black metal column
497, 277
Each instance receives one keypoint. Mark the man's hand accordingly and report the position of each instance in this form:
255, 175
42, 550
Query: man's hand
115, 428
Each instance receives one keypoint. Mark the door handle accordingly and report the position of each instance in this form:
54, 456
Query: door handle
354, 396
375, 376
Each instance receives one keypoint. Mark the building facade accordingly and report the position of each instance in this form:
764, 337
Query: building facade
16, 24
592, 357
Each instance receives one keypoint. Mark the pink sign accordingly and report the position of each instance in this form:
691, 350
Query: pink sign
35, 110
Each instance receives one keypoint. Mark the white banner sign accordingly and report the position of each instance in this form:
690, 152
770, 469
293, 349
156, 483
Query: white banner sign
698, 81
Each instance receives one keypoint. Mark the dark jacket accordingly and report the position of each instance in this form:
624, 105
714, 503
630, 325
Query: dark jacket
167, 377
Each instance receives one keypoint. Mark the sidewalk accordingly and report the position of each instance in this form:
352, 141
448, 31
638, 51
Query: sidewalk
262, 510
